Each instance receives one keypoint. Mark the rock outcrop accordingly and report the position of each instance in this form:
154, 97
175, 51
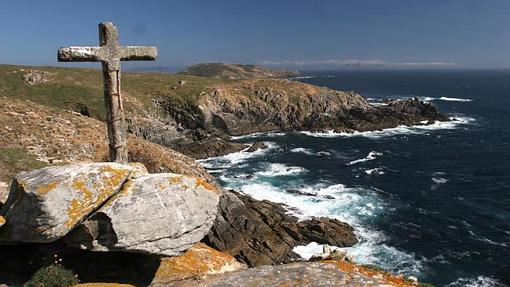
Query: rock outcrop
45, 204
156, 214
304, 274
236, 71
262, 233
109, 207
199, 260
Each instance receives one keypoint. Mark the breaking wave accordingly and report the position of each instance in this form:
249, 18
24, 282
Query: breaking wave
454, 123
371, 156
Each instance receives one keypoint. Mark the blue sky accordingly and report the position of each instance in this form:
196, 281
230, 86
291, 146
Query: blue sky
302, 34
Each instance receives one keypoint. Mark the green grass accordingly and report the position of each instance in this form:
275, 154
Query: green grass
53, 276
85, 86
18, 159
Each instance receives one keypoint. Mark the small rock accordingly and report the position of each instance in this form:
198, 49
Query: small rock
412, 278
35, 78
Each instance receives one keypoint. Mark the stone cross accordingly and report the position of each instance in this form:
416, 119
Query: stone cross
110, 53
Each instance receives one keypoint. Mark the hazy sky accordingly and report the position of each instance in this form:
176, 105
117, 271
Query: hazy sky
303, 34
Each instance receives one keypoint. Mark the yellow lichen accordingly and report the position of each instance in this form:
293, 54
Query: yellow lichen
110, 180
43, 189
198, 260
351, 269
176, 179
205, 184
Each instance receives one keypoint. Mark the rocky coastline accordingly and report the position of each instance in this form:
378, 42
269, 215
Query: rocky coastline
109, 222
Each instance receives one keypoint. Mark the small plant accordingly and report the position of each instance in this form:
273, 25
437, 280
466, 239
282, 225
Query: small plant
54, 275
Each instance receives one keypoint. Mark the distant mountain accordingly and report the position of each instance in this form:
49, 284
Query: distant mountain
236, 71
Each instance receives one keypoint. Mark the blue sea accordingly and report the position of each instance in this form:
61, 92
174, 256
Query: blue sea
430, 201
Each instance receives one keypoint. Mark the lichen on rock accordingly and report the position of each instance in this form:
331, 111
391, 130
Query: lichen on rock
45, 204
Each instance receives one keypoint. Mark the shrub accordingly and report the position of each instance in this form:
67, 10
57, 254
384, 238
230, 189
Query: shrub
53, 276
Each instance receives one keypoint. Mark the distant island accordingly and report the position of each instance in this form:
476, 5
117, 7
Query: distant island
236, 71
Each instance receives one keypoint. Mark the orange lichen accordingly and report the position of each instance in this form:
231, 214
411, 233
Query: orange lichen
43, 189
198, 260
176, 179
2, 220
386, 277
205, 184
110, 180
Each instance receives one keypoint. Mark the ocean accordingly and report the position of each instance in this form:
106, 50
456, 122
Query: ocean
430, 201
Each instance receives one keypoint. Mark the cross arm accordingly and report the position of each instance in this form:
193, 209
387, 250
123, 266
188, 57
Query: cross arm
138, 53
79, 54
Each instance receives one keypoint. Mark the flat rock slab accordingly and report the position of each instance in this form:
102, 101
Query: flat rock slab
297, 274
159, 214
45, 204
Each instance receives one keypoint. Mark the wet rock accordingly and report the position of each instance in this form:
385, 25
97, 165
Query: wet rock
257, 146
45, 204
158, 214
262, 233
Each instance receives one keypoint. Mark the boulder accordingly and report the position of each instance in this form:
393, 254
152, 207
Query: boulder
199, 260
158, 214
45, 204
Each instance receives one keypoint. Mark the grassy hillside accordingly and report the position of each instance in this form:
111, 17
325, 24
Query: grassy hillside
85, 86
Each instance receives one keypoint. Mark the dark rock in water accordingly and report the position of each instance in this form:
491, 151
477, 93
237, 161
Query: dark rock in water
256, 146
300, 192
209, 148
417, 108
262, 233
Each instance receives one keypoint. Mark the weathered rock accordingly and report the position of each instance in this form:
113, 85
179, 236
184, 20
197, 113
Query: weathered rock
261, 232
199, 260
47, 203
300, 274
35, 77
157, 214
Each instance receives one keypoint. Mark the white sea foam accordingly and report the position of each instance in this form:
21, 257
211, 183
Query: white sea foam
480, 281
306, 151
375, 171
278, 169
236, 158
312, 248
454, 99
371, 156
259, 134
418, 129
